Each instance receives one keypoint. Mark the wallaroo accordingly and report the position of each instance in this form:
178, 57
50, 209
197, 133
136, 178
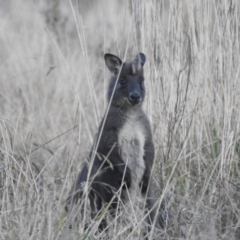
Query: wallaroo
121, 159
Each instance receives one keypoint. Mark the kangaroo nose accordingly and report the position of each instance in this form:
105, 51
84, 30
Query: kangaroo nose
134, 97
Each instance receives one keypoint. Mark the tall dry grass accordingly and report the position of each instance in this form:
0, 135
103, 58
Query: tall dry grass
52, 96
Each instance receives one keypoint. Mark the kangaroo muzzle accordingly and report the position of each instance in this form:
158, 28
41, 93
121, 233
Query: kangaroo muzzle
134, 98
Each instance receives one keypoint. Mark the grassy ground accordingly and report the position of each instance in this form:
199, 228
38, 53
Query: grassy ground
53, 85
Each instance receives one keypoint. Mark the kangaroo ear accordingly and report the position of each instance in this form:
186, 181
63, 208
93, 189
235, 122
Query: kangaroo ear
113, 62
140, 58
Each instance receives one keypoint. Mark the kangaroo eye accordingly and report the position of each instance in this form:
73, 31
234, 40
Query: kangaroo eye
141, 83
122, 81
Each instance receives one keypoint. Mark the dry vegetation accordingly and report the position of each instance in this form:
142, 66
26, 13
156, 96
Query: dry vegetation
53, 94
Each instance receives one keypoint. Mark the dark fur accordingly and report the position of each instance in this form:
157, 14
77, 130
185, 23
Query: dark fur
106, 179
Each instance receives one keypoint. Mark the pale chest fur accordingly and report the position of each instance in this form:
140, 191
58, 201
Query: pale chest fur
131, 141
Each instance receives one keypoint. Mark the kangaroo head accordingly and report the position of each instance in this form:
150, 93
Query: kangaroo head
130, 88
